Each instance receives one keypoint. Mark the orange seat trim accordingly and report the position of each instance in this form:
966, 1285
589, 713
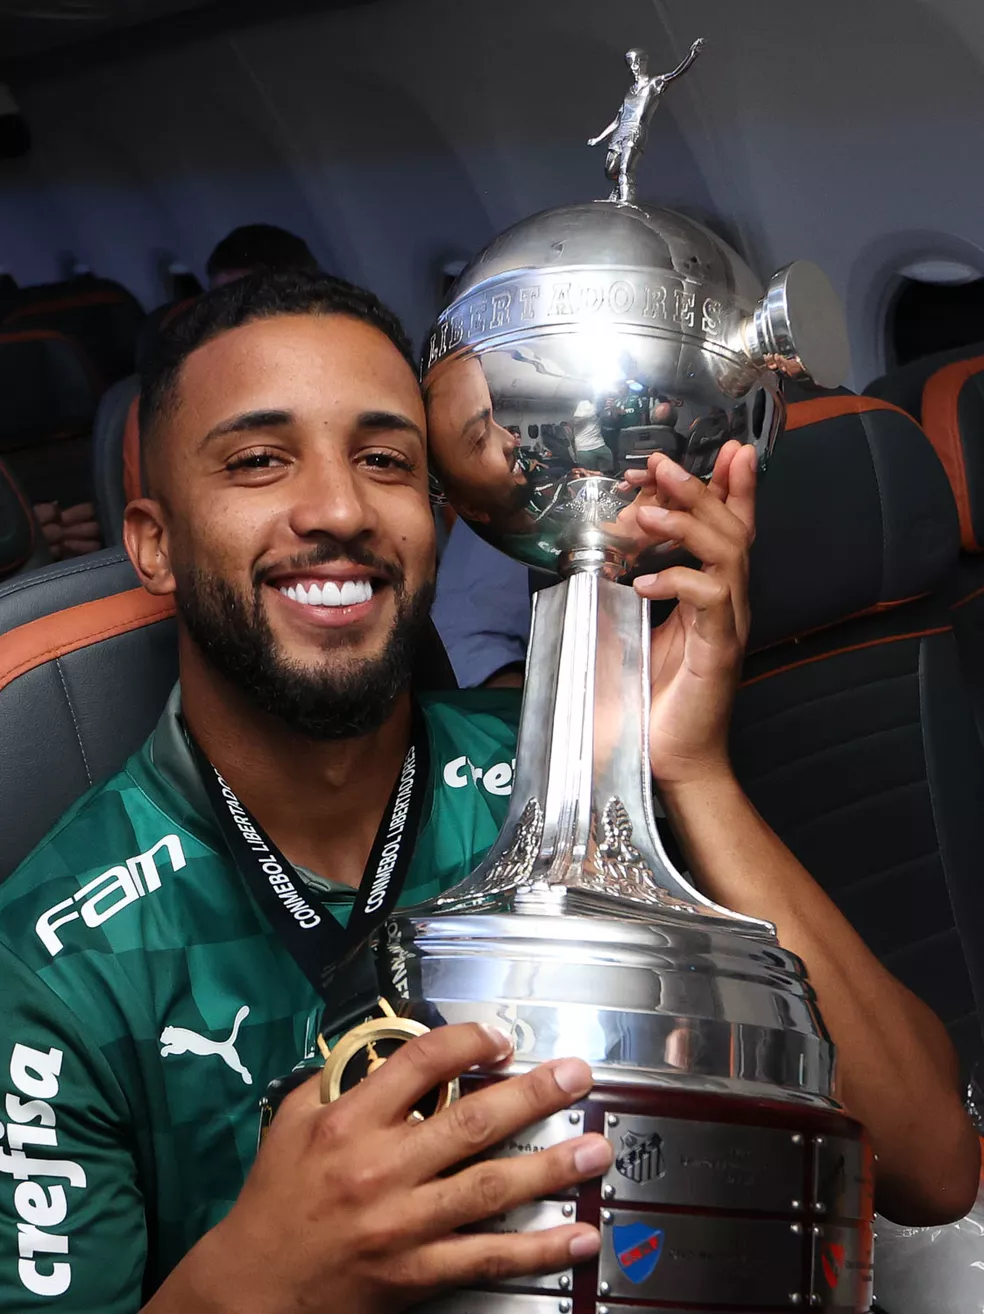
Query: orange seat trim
16, 336
49, 637
132, 474
940, 419
840, 652
800, 414
76, 301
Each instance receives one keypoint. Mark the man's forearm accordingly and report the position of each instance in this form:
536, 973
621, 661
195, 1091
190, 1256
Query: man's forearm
898, 1071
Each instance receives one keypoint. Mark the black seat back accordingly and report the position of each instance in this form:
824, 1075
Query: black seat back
97, 312
113, 463
87, 659
852, 731
22, 545
48, 399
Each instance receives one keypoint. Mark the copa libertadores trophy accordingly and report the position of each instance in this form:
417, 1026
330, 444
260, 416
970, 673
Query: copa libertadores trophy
580, 342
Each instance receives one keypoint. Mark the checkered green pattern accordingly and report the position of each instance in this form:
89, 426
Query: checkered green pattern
93, 981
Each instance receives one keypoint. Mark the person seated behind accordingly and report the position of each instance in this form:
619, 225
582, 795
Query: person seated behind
148, 1002
255, 247
71, 531
482, 611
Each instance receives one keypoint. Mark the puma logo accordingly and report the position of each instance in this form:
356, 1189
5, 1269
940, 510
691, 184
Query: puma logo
179, 1040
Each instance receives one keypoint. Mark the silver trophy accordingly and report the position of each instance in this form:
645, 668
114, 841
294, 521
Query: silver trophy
577, 344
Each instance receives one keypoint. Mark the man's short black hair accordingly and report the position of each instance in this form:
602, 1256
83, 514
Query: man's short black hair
255, 247
259, 296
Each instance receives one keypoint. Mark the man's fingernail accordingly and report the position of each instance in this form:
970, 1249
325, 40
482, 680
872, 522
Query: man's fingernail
677, 472
593, 1157
585, 1244
573, 1076
646, 581
503, 1043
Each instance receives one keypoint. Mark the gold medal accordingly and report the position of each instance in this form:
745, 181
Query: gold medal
366, 1048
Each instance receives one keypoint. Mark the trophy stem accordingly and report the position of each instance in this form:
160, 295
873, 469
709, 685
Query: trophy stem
581, 816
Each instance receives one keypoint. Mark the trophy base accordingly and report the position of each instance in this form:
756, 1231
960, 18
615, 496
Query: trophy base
713, 1204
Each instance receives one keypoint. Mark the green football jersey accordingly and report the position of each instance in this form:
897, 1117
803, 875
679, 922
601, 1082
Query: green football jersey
147, 1003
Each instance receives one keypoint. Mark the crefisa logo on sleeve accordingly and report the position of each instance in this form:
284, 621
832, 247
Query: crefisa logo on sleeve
40, 1198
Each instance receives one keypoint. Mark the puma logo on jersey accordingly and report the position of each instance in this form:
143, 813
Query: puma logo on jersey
109, 893
180, 1040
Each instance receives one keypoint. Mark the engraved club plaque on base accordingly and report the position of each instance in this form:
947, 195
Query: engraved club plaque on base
576, 345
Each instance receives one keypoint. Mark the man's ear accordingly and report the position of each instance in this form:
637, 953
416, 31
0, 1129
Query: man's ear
146, 539
474, 513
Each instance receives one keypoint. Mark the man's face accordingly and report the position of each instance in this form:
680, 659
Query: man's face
476, 458
293, 486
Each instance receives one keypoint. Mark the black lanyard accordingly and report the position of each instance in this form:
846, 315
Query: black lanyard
336, 959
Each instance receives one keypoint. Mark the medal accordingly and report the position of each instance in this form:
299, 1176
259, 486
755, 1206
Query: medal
366, 1048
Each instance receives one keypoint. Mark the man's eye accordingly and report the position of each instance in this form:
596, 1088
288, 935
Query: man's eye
252, 461
388, 461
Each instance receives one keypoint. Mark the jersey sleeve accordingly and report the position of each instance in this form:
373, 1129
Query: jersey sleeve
73, 1237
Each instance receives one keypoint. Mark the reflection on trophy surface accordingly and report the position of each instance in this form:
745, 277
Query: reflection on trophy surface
577, 345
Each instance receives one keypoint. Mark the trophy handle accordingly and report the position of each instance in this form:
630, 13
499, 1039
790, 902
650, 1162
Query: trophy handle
798, 327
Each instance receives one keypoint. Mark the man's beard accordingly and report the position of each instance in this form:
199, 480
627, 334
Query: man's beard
320, 703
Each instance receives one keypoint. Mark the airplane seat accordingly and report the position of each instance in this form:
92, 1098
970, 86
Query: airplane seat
799, 390
115, 439
87, 660
904, 385
953, 418
852, 731
156, 320
22, 544
99, 312
116, 455
946, 392
48, 394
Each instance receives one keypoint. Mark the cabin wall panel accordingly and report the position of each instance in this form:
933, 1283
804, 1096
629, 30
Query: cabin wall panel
396, 135
392, 136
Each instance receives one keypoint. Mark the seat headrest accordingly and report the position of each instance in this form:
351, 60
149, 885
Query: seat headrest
87, 658
854, 514
953, 418
99, 312
21, 545
116, 455
47, 389
904, 385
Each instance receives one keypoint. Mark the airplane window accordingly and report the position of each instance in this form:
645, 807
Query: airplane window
938, 306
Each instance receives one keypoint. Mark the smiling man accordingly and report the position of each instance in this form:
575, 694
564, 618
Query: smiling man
153, 979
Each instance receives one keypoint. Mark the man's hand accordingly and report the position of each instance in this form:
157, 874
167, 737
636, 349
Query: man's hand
697, 652
69, 532
350, 1208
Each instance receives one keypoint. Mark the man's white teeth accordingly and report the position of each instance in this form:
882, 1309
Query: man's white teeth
329, 594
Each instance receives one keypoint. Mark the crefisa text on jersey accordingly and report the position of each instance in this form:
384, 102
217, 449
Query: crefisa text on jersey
31, 1121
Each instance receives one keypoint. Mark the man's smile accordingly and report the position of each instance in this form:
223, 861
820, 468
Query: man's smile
330, 601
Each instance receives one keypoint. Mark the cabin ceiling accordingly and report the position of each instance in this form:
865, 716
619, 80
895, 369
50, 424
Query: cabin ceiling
29, 28
32, 31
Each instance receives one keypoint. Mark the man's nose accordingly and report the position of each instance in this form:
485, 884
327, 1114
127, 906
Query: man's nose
328, 498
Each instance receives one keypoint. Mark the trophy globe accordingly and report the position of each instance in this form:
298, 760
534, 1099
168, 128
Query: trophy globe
580, 342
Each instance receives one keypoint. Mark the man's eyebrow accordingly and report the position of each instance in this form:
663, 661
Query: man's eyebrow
389, 420
482, 415
248, 422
